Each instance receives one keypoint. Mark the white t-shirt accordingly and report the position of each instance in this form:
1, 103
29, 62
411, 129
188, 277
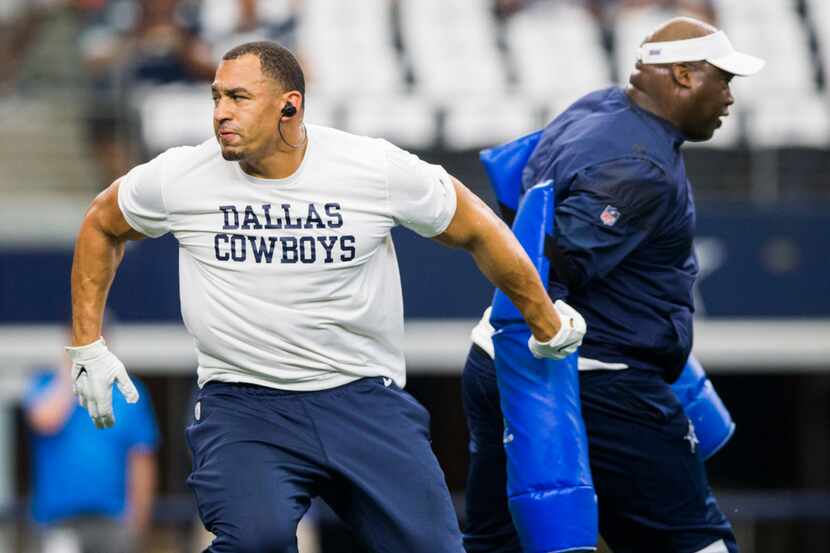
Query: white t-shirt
291, 283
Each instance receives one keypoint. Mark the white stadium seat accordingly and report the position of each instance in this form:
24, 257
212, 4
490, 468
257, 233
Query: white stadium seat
408, 121
174, 115
773, 30
781, 103
349, 47
556, 50
452, 48
477, 122
790, 121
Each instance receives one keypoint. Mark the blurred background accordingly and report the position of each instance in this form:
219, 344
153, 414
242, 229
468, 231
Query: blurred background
89, 88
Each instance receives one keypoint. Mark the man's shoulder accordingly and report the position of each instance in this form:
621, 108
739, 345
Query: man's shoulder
597, 129
602, 97
356, 145
602, 124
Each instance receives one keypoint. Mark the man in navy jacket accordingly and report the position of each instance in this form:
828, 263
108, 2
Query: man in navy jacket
622, 256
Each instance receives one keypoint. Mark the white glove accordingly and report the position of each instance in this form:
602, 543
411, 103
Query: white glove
567, 340
94, 369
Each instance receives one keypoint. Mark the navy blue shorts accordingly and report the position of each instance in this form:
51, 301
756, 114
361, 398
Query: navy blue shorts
260, 455
652, 488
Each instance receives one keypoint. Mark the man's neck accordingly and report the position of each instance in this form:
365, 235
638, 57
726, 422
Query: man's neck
647, 103
281, 163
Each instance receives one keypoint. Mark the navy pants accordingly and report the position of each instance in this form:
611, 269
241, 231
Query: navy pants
260, 455
650, 480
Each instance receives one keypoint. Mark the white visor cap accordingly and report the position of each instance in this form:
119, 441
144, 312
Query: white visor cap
714, 48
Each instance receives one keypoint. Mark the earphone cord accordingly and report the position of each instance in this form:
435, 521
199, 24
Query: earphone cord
290, 145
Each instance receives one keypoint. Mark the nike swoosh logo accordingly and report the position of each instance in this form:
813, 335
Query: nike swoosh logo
567, 345
80, 372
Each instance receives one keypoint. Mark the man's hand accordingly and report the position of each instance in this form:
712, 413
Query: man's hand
567, 340
94, 370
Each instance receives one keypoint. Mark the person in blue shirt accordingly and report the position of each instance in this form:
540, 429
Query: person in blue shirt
93, 488
622, 256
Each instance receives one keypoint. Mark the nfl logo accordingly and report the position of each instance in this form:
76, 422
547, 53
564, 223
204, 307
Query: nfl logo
609, 216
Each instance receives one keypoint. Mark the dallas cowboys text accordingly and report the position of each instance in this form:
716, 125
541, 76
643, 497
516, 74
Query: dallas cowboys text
290, 248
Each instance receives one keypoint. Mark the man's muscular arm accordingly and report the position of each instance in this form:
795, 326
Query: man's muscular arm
502, 260
99, 250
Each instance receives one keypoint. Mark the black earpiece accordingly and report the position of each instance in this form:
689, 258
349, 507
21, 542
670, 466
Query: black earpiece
289, 110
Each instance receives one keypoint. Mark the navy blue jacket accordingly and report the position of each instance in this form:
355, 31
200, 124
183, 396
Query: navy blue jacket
625, 219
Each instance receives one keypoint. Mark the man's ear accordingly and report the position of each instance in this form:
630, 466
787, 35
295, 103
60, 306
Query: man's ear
682, 74
295, 97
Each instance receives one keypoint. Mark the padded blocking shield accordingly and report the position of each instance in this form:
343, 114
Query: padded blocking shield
504, 165
549, 487
712, 422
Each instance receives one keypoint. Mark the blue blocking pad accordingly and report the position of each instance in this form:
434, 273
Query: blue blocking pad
549, 487
504, 165
712, 421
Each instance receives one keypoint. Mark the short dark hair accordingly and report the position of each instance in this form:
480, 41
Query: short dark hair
276, 61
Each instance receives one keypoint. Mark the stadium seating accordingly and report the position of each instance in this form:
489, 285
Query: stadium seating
779, 121
557, 53
404, 119
451, 45
782, 102
480, 121
174, 114
219, 22
349, 48
450, 72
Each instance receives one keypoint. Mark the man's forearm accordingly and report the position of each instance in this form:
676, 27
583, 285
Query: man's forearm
97, 256
502, 260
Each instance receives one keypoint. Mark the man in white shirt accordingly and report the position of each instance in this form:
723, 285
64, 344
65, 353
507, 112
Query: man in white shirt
290, 288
